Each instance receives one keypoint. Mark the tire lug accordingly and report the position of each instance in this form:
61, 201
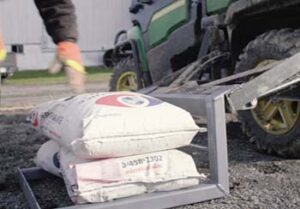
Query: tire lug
252, 139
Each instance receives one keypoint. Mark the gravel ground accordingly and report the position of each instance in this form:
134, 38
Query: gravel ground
256, 180
20, 97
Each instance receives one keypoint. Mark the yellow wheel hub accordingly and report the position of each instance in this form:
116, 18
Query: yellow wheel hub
127, 82
276, 117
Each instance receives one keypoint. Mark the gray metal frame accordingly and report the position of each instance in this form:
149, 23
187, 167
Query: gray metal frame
284, 74
212, 107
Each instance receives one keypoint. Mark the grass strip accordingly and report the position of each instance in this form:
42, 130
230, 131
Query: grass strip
42, 77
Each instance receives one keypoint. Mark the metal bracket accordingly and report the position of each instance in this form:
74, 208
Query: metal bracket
211, 107
282, 75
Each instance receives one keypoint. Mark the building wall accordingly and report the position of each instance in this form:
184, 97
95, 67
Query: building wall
99, 21
20, 22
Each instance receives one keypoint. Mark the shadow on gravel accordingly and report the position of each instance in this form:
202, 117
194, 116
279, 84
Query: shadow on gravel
241, 150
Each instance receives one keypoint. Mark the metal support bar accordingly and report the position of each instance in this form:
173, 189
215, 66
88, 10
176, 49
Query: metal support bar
27, 190
268, 82
35, 174
217, 143
196, 104
161, 200
212, 107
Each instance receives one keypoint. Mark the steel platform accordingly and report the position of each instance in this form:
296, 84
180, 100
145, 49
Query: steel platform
210, 106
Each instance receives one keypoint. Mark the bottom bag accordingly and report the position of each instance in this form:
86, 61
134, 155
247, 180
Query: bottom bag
110, 179
48, 157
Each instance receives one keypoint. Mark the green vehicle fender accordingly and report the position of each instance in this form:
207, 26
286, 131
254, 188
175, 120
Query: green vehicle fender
135, 34
216, 6
167, 20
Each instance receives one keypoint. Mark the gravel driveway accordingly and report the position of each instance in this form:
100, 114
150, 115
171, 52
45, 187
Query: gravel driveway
24, 97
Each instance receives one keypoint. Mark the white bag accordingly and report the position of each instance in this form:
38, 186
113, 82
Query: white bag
105, 180
106, 125
48, 157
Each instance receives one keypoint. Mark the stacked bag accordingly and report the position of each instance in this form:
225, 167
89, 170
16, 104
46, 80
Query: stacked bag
113, 145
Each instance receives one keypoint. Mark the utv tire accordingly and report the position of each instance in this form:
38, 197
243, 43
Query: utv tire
267, 133
124, 77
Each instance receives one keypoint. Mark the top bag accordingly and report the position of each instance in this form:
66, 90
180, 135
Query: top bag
107, 125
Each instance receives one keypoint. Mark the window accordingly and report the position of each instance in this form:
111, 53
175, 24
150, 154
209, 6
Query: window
17, 48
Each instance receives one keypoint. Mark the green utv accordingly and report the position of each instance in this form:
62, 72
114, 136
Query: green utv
228, 37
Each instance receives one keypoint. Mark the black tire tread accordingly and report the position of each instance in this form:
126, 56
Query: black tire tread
275, 44
124, 65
